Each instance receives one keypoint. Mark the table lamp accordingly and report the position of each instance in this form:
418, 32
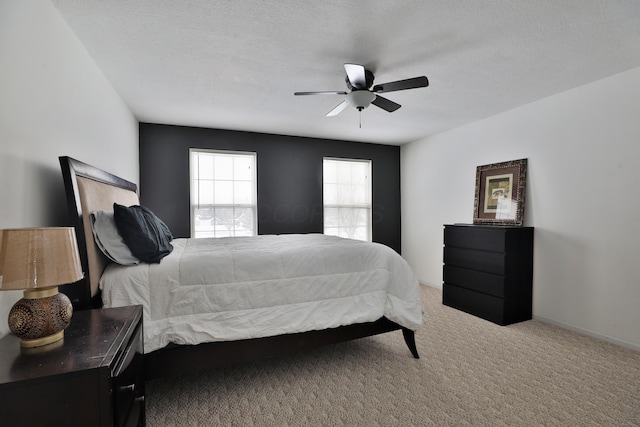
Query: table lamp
37, 260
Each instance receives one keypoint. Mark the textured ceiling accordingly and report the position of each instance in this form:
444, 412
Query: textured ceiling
236, 64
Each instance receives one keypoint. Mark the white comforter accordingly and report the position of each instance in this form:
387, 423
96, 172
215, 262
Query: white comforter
247, 287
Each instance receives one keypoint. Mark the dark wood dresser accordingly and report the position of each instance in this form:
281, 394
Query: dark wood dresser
488, 271
93, 377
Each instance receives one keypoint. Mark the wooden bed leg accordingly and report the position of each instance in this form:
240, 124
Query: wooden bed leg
410, 340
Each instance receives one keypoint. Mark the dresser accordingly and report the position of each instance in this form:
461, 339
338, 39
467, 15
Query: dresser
93, 377
488, 271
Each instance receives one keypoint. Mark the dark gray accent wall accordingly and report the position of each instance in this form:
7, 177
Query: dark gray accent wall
289, 177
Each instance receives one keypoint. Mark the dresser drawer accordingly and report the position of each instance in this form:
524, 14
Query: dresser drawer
474, 280
484, 306
476, 237
128, 382
487, 262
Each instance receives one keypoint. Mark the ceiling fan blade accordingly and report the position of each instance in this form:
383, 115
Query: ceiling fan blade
327, 92
413, 83
356, 75
338, 109
385, 104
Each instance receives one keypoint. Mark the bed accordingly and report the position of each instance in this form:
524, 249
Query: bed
260, 297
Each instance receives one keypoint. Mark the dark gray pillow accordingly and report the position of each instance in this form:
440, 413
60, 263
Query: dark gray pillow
107, 238
144, 233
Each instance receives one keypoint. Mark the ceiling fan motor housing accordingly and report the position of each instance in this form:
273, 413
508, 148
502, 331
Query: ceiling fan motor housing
368, 81
360, 99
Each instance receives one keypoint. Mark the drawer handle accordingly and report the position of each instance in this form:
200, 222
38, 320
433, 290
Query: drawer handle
130, 387
139, 399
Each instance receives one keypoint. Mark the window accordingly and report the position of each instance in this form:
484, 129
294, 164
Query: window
223, 193
346, 187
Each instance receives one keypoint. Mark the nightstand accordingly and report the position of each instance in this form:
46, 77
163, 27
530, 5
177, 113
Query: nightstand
94, 377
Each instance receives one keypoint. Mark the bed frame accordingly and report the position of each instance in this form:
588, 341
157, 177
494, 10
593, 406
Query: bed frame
89, 189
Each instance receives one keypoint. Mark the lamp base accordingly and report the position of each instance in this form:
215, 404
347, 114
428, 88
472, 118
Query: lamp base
40, 317
39, 342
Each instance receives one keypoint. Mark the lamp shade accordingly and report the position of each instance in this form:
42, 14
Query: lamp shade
32, 258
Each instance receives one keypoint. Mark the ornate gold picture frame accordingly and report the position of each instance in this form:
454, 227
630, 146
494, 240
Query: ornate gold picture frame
500, 191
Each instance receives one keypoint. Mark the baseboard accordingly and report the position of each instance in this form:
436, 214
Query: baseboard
430, 285
589, 333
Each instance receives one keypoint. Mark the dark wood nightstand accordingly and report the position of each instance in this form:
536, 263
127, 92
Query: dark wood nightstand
94, 377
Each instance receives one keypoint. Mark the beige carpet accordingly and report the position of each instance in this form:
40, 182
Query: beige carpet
471, 373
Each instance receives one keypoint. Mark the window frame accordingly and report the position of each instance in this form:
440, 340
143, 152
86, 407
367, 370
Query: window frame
367, 205
194, 203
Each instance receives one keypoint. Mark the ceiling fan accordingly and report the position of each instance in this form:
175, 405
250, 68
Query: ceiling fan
362, 93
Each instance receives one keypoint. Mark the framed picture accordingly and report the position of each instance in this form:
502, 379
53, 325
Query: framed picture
500, 190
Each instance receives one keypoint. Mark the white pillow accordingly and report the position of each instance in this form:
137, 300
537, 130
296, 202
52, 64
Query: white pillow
109, 240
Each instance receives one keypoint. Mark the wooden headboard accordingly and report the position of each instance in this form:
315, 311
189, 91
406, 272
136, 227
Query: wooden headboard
90, 189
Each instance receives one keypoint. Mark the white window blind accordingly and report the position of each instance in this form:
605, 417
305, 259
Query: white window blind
223, 193
346, 188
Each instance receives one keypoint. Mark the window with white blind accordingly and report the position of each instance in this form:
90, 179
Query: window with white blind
346, 188
223, 193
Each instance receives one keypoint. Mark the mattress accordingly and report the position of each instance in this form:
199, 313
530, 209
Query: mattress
222, 289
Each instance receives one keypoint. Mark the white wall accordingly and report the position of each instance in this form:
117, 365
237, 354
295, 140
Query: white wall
54, 101
583, 198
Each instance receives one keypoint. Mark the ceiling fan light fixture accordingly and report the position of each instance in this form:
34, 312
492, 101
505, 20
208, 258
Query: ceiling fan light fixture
360, 99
